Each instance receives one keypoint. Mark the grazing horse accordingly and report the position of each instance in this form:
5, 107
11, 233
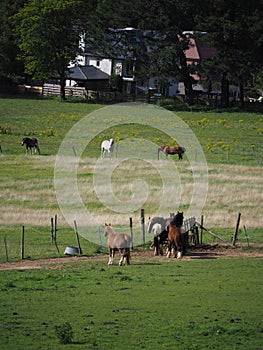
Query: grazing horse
174, 235
30, 143
171, 150
107, 146
121, 242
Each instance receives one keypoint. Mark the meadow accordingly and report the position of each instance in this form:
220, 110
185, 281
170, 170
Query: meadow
175, 304
196, 304
231, 142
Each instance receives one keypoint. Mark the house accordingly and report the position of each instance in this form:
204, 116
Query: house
123, 39
119, 65
90, 77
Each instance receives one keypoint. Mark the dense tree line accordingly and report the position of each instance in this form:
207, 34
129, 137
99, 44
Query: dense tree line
39, 38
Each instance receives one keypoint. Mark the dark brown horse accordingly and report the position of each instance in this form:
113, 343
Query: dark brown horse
30, 144
172, 150
174, 235
121, 242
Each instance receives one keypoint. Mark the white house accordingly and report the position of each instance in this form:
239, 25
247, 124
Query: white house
125, 66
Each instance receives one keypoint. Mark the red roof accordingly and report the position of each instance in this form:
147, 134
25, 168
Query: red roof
199, 50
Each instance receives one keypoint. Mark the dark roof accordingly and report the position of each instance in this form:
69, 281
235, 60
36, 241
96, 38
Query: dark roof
206, 52
87, 73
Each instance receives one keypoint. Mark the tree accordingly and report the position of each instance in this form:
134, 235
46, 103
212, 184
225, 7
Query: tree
49, 33
162, 24
235, 28
9, 65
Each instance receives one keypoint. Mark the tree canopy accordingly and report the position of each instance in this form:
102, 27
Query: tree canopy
49, 33
45, 35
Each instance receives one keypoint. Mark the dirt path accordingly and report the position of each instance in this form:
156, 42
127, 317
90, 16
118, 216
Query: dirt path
209, 252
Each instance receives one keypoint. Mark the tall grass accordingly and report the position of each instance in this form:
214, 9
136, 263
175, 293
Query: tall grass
232, 143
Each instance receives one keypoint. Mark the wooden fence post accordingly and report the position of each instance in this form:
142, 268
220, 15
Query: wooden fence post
143, 226
55, 228
236, 230
6, 250
77, 235
131, 231
201, 232
23, 243
52, 229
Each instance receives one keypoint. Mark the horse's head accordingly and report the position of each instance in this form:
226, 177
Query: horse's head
149, 224
108, 229
178, 219
23, 142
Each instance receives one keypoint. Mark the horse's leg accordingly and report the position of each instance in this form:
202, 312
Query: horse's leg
156, 245
111, 256
128, 256
169, 249
179, 248
161, 249
122, 257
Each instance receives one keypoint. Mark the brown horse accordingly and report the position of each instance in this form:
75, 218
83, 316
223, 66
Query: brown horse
30, 143
174, 235
172, 150
121, 242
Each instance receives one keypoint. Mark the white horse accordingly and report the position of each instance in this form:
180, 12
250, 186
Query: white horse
107, 146
164, 222
156, 229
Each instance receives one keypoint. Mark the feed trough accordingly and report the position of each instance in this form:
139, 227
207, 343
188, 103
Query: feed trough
72, 251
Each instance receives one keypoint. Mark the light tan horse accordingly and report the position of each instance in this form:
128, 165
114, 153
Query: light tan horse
172, 150
121, 242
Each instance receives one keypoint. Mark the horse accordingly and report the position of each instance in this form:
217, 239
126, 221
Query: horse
121, 242
158, 225
174, 235
172, 150
107, 146
158, 242
30, 143
157, 219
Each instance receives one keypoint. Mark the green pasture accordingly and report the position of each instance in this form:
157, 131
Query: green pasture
196, 304
226, 137
232, 143
187, 304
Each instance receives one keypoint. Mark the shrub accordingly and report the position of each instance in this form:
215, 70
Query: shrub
64, 333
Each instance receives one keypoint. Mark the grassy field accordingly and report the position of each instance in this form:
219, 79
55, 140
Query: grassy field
231, 142
198, 304
188, 304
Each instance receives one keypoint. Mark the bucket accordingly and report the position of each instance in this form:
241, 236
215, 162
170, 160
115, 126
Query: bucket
72, 251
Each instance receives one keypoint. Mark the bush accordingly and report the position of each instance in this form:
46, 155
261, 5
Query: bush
64, 333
